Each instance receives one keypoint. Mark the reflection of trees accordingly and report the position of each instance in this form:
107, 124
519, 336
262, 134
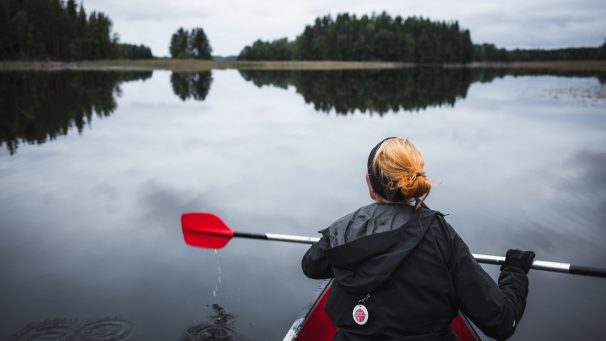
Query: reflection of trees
194, 85
38, 106
487, 75
381, 91
375, 91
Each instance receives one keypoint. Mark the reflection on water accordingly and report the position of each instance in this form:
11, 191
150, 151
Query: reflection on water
89, 226
219, 326
485, 75
373, 91
191, 85
382, 91
38, 106
104, 329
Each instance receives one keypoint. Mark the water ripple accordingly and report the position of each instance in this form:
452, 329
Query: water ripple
104, 329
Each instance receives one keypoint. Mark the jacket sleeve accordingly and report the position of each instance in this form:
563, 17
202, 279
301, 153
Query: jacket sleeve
496, 310
315, 264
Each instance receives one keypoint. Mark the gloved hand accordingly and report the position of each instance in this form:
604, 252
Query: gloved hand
519, 259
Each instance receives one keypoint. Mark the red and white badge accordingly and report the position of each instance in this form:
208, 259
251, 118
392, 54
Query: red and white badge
360, 314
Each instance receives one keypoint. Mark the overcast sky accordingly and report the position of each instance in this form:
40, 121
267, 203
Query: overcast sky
232, 24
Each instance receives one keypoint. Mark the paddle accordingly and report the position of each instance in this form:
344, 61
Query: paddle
206, 230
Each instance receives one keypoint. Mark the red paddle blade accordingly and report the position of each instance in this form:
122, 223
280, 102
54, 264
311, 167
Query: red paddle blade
205, 230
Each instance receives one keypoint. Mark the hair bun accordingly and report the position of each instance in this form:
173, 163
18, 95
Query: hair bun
400, 161
414, 185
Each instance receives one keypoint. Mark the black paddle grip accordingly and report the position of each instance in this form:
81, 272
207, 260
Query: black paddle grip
587, 271
250, 235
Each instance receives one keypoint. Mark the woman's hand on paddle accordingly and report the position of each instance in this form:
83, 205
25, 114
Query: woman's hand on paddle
519, 259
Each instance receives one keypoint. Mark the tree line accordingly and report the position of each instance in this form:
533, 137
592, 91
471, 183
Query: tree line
60, 30
489, 52
385, 38
370, 38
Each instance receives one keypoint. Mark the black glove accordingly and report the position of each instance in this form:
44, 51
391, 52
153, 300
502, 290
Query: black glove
519, 259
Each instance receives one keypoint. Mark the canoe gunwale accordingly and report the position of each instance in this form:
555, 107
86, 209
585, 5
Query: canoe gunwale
297, 326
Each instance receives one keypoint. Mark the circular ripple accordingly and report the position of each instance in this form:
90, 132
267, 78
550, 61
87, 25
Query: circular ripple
208, 332
106, 330
53, 330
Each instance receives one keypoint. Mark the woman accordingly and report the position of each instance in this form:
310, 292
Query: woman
401, 271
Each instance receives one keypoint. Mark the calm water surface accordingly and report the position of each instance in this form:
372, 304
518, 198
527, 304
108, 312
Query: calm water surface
96, 169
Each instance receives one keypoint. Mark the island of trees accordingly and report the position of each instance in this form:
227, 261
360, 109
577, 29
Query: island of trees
59, 30
411, 40
190, 44
375, 38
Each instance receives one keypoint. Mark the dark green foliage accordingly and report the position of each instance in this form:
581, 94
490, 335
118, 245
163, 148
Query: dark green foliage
38, 106
178, 44
194, 44
130, 51
194, 85
56, 30
71, 9
579, 53
198, 44
602, 52
489, 52
385, 38
370, 38
279, 49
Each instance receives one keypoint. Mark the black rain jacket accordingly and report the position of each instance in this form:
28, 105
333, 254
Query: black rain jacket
418, 272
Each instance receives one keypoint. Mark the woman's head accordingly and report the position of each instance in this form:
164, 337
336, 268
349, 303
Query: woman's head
396, 171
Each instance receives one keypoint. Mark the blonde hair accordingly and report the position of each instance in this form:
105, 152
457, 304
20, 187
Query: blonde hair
402, 163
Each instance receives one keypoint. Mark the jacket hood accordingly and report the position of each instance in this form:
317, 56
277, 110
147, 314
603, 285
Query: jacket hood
368, 245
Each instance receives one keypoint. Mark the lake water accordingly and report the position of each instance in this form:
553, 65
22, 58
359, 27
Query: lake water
96, 169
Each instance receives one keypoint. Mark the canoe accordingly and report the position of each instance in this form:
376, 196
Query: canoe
317, 326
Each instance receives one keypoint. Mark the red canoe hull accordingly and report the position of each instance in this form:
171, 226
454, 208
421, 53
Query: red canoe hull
317, 326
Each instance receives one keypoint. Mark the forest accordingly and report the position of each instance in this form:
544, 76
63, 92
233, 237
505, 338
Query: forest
63, 30
411, 40
60, 30
489, 52
370, 38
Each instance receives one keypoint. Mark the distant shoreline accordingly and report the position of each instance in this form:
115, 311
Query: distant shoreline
194, 65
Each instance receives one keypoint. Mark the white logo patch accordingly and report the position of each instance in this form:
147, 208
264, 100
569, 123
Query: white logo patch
360, 314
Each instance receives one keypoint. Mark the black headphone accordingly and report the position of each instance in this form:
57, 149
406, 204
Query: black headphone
380, 182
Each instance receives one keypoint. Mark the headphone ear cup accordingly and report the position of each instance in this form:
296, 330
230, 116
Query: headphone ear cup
375, 181
381, 184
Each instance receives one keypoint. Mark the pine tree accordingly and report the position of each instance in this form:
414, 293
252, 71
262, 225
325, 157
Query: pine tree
178, 44
198, 44
54, 29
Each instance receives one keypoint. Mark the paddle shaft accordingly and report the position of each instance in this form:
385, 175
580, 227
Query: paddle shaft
485, 259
